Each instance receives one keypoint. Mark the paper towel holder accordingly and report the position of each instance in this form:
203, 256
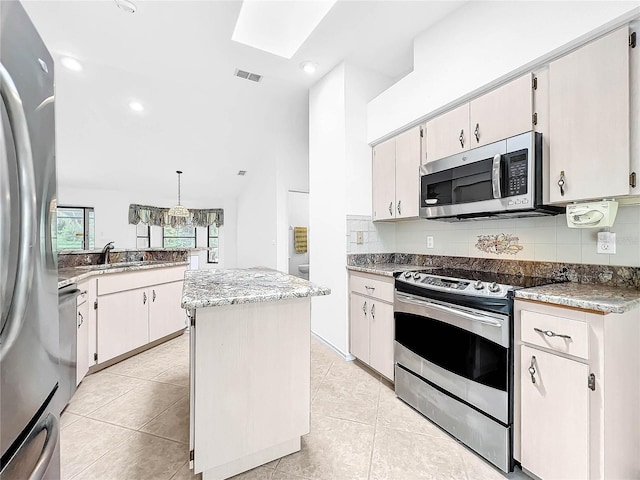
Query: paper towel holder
599, 214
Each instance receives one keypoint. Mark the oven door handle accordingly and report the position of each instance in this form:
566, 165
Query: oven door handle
484, 319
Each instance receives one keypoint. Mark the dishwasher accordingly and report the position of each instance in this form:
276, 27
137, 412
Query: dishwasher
67, 321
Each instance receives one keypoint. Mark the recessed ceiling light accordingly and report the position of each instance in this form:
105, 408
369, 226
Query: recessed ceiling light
136, 106
309, 67
71, 64
279, 27
126, 6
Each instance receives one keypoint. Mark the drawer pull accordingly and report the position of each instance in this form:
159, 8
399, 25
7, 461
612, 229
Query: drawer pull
369, 288
549, 333
532, 369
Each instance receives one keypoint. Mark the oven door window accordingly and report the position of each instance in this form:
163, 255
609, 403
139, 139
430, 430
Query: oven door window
454, 349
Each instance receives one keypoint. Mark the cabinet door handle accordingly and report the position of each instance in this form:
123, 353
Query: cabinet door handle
461, 138
391, 208
549, 333
561, 183
153, 296
364, 307
532, 369
399, 212
373, 311
476, 132
81, 319
144, 298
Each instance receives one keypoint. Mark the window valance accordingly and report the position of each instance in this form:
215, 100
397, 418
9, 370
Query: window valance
159, 217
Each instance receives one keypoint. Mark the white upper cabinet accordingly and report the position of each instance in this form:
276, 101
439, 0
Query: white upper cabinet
589, 121
448, 134
502, 113
396, 177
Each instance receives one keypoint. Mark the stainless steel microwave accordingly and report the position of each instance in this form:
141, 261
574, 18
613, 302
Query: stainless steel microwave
502, 179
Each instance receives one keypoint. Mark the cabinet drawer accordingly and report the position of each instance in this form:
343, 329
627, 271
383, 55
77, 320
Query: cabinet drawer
119, 282
372, 285
578, 332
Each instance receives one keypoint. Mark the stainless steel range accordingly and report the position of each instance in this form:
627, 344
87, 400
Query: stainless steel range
454, 354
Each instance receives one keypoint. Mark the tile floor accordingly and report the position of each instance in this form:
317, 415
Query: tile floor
131, 421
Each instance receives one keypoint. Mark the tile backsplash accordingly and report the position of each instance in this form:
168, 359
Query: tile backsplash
540, 239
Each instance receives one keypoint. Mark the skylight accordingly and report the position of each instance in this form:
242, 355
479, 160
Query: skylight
279, 27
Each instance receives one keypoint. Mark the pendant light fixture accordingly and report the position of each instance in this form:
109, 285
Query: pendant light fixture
178, 210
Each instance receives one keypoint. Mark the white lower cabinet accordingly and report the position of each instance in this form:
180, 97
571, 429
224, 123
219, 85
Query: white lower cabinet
371, 328
82, 337
555, 415
576, 412
136, 308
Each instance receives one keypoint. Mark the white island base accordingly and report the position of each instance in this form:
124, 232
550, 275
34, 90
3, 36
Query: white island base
250, 391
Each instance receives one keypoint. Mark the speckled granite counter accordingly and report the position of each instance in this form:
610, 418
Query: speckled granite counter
212, 288
599, 298
387, 269
69, 275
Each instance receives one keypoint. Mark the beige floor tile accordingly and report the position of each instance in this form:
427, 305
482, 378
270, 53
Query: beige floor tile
395, 414
178, 375
140, 405
401, 455
335, 449
148, 364
184, 473
97, 390
140, 457
259, 473
286, 476
479, 469
173, 423
348, 392
85, 441
67, 418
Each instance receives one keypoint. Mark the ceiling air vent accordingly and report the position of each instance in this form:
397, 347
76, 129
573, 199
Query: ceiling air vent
254, 77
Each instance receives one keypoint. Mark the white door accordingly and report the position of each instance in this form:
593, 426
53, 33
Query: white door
165, 314
359, 327
502, 113
82, 341
381, 338
589, 120
408, 148
384, 180
123, 322
448, 134
554, 415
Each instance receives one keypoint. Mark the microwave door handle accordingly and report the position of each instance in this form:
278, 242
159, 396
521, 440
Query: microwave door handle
496, 175
27, 197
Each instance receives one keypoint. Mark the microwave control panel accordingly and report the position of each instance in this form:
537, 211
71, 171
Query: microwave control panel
517, 173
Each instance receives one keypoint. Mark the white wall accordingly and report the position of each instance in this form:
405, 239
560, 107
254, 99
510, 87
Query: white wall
339, 160
481, 43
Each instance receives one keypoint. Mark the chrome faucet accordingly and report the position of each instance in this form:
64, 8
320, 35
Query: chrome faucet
105, 252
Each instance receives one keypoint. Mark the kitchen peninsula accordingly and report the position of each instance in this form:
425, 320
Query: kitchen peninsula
250, 367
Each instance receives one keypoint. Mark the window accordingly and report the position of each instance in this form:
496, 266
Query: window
76, 228
213, 243
143, 236
179, 237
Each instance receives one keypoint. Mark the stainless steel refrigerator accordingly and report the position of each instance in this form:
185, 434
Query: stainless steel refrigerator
29, 432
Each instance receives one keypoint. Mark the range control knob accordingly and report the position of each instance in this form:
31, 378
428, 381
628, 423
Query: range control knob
416, 276
494, 287
478, 285
407, 274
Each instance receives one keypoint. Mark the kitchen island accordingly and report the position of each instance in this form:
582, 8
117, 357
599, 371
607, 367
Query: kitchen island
249, 367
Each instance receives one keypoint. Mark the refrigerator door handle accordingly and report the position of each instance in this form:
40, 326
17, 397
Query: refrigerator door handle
27, 196
51, 425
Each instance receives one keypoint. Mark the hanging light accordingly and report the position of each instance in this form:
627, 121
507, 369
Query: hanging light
178, 210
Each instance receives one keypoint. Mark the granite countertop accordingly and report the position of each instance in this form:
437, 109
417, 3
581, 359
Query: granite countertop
69, 275
387, 269
601, 298
212, 288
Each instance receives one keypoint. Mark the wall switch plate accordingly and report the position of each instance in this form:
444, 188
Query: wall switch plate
606, 243
429, 241
359, 238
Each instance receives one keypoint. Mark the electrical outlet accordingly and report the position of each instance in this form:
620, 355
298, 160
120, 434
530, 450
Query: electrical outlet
429, 241
359, 238
606, 243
